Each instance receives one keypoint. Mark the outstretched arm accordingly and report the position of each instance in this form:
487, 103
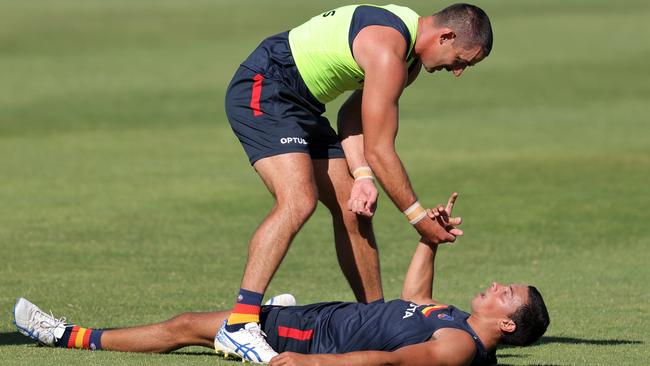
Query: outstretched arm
418, 283
363, 198
451, 348
385, 79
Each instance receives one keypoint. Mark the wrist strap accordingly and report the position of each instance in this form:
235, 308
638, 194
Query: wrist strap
415, 213
362, 172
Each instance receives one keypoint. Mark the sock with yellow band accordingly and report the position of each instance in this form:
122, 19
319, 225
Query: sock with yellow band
247, 310
81, 338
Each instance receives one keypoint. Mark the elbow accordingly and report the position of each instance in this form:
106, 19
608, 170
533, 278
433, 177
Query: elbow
372, 157
408, 296
393, 359
376, 155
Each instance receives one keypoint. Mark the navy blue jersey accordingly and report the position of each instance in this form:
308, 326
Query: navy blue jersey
340, 327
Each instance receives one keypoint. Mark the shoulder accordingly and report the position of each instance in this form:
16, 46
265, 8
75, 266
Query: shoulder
375, 43
455, 344
445, 349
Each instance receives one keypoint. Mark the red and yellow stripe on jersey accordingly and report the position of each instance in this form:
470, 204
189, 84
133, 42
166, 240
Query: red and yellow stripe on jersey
431, 308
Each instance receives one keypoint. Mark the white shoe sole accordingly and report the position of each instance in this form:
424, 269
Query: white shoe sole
233, 356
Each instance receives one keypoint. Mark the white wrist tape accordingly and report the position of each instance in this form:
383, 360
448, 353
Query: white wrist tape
363, 172
415, 213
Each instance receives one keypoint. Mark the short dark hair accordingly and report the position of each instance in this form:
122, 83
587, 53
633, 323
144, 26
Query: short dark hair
470, 23
531, 321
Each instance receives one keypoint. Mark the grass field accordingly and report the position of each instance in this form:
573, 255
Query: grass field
125, 198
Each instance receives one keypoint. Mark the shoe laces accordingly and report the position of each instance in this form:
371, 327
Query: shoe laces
48, 321
259, 337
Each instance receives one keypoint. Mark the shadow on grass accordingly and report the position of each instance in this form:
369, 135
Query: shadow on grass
511, 356
598, 342
14, 338
571, 340
185, 353
563, 340
533, 364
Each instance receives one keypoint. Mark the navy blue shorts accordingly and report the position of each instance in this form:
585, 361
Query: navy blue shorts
271, 110
290, 328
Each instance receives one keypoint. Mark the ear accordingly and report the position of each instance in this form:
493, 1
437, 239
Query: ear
507, 326
447, 35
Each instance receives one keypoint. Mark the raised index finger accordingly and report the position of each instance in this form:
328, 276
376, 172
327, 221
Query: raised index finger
450, 203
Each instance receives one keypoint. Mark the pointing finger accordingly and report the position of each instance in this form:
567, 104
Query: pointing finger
450, 202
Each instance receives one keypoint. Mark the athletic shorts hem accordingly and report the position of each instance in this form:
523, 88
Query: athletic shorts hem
332, 154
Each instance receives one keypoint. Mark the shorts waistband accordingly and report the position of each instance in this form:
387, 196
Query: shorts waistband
273, 59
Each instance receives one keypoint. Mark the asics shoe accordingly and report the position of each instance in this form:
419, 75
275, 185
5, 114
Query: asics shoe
247, 344
36, 324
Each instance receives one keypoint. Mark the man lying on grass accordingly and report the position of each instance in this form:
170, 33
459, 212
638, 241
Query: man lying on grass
414, 330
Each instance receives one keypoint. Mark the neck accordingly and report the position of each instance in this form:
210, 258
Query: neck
485, 330
423, 36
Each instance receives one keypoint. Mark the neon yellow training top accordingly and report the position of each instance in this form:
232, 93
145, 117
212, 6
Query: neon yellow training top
321, 47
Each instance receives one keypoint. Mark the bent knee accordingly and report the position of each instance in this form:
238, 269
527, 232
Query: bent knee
299, 206
179, 324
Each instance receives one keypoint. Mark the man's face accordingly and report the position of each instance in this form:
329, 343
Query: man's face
443, 55
500, 301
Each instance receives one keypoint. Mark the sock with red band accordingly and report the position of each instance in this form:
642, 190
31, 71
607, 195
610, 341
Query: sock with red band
82, 338
247, 310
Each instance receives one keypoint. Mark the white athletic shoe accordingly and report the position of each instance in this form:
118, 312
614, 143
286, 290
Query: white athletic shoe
247, 344
282, 300
34, 323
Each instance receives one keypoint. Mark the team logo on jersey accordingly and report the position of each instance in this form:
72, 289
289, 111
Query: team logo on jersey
443, 316
293, 140
431, 308
410, 311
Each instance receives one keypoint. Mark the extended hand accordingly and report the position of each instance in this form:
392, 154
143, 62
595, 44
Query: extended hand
433, 232
441, 226
291, 359
442, 215
363, 198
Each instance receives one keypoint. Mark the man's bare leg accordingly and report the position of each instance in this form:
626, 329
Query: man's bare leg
356, 248
188, 329
290, 178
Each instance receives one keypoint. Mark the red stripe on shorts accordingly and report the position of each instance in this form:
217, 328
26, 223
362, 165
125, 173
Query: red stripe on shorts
293, 333
257, 94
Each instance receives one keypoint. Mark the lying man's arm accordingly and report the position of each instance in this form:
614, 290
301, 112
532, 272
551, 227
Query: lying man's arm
418, 282
452, 347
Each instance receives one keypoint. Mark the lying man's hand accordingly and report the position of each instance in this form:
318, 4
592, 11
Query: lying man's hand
290, 359
443, 216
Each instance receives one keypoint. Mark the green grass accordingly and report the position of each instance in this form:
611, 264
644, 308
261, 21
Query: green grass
125, 198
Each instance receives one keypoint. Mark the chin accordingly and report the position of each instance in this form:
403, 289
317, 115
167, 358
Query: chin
476, 301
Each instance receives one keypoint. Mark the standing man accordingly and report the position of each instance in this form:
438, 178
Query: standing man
275, 104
